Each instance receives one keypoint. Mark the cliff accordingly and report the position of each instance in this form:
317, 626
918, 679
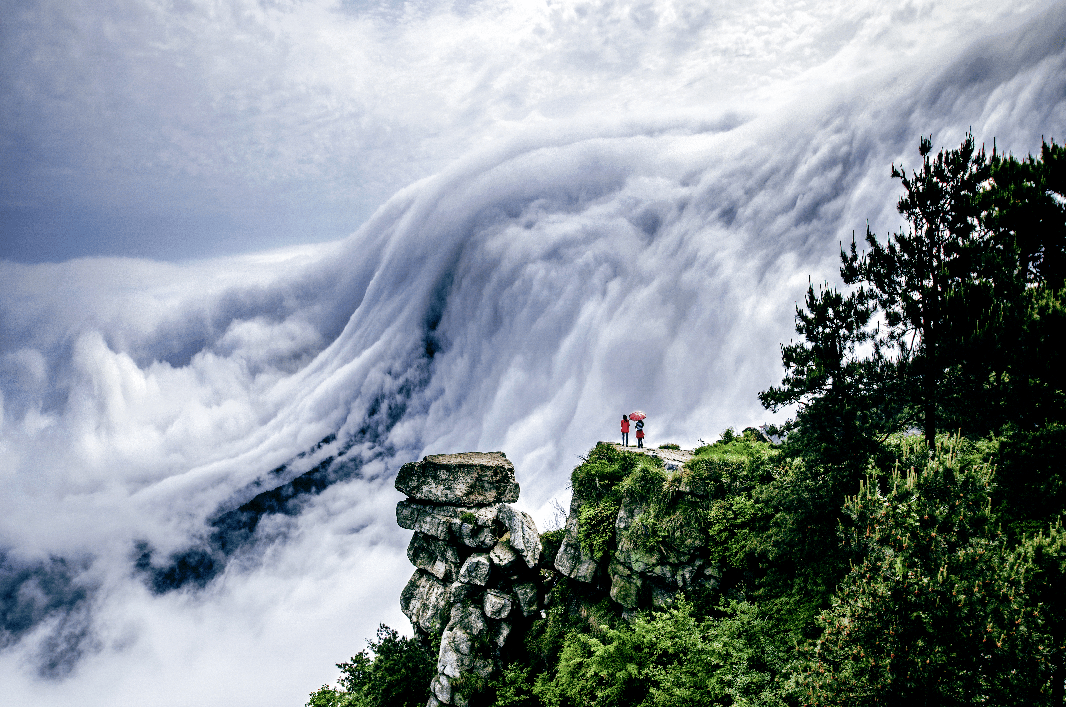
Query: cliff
633, 535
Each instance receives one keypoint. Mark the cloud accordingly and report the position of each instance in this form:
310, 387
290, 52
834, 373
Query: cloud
178, 129
197, 456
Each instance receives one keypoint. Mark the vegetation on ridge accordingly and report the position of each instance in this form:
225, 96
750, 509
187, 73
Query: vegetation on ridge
905, 543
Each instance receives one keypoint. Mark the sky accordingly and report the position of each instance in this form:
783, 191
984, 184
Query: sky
254, 255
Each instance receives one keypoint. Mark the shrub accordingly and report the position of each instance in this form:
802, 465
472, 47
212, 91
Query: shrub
397, 675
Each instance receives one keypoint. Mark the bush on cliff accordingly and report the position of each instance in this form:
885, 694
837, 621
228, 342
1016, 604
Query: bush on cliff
671, 658
393, 672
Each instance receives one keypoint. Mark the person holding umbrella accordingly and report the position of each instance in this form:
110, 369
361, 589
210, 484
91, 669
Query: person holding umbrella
625, 431
639, 417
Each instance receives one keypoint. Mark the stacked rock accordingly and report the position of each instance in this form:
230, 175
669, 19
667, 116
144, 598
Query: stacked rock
476, 558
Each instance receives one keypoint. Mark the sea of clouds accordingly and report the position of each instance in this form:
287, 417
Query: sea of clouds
584, 209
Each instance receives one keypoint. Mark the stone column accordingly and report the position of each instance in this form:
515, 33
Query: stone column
476, 560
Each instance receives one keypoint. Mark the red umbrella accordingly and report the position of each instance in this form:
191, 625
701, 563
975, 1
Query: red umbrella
637, 415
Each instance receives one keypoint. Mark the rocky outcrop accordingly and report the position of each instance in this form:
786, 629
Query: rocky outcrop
468, 479
476, 558
637, 577
480, 579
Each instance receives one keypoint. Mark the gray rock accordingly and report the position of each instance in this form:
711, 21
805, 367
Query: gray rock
469, 525
573, 559
686, 575
476, 536
454, 655
661, 598
665, 572
528, 598
467, 618
636, 559
625, 586
424, 518
525, 538
441, 688
471, 478
502, 554
463, 593
433, 701
503, 630
627, 515
476, 569
497, 604
434, 556
482, 667
424, 601
709, 577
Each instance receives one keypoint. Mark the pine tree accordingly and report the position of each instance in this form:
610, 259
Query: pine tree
917, 276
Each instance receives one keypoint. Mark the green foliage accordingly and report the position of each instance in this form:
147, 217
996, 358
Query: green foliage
468, 517
1031, 493
397, 675
600, 482
669, 445
930, 611
1037, 640
327, 696
672, 659
596, 525
550, 541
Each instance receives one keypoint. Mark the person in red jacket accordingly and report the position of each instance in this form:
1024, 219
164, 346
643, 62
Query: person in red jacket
640, 434
625, 431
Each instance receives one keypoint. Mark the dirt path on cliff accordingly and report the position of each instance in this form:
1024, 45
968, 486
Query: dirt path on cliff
672, 458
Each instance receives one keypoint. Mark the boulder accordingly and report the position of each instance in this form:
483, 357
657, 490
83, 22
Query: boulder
476, 536
442, 689
467, 618
527, 597
635, 558
686, 575
524, 536
625, 586
434, 556
497, 604
468, 525
501, 554
454, 655
424, 601
476, 569
468, 479
574, 560
661, 598
503, 630
461, 592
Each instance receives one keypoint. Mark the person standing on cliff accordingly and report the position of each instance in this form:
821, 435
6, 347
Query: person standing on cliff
625, 431
640, 434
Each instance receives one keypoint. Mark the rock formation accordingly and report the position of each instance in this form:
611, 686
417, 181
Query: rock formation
476, 560
637, 577
478, 582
